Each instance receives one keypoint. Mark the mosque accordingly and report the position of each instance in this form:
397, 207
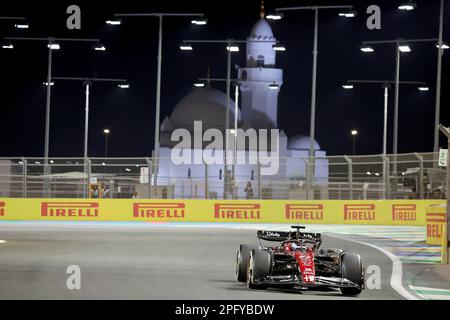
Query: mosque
258, 109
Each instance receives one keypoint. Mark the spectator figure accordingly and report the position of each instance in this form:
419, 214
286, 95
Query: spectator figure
106, 192
135, 195
94, 192
249, 190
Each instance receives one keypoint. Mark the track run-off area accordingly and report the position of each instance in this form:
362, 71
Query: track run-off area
194, 261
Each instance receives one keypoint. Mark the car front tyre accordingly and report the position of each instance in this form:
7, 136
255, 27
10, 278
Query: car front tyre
253, 269
352, 269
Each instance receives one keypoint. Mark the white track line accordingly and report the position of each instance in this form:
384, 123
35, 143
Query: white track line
428, 289
397, 271
433, 295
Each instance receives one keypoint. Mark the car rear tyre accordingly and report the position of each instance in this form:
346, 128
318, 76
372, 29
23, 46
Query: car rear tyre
352, 269
242, 256
259, 265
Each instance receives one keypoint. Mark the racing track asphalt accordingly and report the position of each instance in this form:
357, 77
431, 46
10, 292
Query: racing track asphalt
151, 262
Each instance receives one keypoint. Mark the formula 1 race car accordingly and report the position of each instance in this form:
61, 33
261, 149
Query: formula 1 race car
298, 262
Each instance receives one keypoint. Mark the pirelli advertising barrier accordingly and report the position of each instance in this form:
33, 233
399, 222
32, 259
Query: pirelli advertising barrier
388, 212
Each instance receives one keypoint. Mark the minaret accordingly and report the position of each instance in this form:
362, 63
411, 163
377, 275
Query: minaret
259, 102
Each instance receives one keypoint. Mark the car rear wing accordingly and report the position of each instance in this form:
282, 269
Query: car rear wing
287, 235
273, 235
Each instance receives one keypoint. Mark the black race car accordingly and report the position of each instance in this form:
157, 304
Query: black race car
298, 261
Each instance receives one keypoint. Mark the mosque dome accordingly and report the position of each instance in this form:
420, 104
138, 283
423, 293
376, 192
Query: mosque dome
262, 31
301, 142
203, 104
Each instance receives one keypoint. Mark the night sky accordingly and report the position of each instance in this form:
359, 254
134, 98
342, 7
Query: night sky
131, 54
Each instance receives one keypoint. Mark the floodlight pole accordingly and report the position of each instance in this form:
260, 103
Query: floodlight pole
397, 42
446, 131
160, 16
237, 82
229, 43
88, 82
396, 104
47, 108
86, 121
49, 41
438, 81
386, 86
314, 72
227, 113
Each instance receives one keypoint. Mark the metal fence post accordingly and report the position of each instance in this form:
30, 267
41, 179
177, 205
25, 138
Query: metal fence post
89, 171
421, 175
259, 180
350, 176
149, 176
24, 177
386, 174
206, 180
307, 180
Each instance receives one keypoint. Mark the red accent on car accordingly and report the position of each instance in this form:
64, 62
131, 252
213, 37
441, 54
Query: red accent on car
306, 264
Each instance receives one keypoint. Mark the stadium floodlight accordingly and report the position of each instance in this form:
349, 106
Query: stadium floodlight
366, 49
275, 16
408, 6
354, 132
404, 48
22, 26
347, 14
123, 86
7, 46
52, 83
443, 47
186, 46
99, 47
200, 22
114, 22
54, 46
424, 88
233, 48
279, 47
348, 86
199, 84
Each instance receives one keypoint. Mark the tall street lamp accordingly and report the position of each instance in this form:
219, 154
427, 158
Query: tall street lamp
386, 86
236, 110
198, 19
315, 53
441, 46
407, 6
231, 46
107, 133
354, 133
52, 44
402, 46
122, 83
234, 131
